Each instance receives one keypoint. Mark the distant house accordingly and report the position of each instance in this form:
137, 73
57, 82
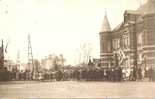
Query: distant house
51, 61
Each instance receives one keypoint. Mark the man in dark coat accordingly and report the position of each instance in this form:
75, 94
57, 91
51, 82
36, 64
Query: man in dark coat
139, 73
151, 74
134, 78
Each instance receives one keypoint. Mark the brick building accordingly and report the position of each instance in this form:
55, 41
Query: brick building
132, 42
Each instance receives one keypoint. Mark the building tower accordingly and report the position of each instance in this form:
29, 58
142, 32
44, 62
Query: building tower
18, 61
148, 7
31, 67
106, 44
149, 31
2, 55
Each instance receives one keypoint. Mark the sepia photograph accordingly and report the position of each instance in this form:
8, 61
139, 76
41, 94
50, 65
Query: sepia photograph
100, 49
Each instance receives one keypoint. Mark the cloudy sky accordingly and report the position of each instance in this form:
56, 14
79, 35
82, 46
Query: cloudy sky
57, 26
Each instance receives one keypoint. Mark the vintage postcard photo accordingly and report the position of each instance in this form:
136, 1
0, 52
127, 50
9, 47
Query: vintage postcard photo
77, 49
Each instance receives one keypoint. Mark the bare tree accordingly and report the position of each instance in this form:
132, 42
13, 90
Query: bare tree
62, 59
37, 65
84, 53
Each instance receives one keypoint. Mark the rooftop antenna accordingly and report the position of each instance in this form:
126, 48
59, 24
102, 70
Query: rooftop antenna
140, 3
105, 11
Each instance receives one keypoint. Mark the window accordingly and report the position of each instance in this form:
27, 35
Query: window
118, 43
124, 42
140, 40
128, 42
115, 45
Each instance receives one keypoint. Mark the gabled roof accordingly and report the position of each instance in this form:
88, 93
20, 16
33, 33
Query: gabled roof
105, 26
118, 27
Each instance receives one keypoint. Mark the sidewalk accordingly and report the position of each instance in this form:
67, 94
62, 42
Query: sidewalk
17, 82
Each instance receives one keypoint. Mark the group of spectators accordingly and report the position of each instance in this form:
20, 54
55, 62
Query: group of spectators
99, 74
6, 75
116, 74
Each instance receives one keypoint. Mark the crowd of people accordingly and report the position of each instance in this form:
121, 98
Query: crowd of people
86, 73
100, 74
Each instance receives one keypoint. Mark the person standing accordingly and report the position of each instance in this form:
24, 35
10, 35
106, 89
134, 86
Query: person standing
151, 74
134, 78
139, 73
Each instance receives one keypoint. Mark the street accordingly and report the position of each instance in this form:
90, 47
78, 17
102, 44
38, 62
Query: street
74, 89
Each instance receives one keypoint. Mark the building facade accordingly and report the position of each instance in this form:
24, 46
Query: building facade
52, 60
132, 42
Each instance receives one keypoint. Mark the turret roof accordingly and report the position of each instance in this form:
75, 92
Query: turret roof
105, 26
